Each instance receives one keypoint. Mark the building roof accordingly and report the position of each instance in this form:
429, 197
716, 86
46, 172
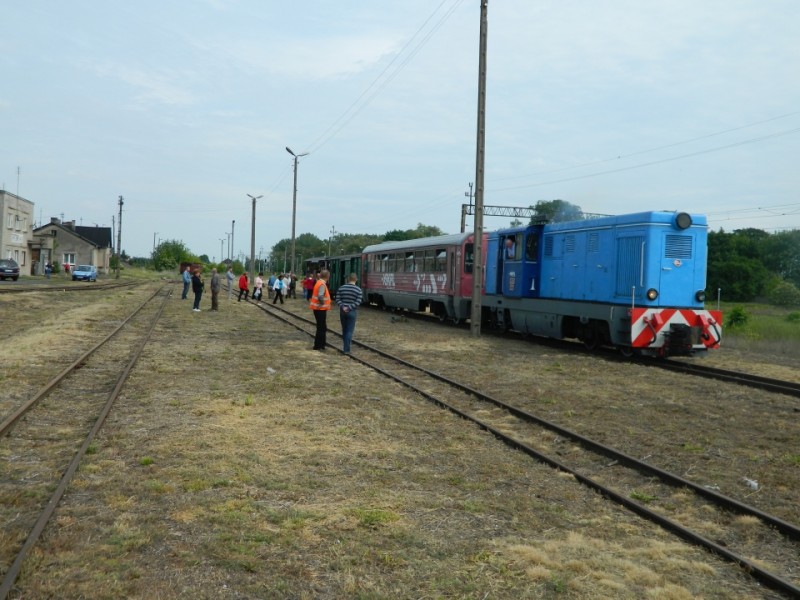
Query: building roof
99, 236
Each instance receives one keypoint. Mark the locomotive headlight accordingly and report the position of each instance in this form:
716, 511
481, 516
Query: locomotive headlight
683, 220
700, 295
652, 294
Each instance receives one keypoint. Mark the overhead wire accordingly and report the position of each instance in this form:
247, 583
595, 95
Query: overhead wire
374, 88
648, 150
651, 163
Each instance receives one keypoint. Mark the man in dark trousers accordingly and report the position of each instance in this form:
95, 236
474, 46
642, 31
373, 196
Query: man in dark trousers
321, 304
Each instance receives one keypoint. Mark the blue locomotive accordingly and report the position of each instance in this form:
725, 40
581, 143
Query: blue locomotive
636, 282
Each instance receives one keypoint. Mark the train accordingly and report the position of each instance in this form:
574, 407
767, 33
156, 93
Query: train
634, 282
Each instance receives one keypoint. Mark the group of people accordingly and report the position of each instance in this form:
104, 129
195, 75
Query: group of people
348, 299
278, 286
315, 290
193, 278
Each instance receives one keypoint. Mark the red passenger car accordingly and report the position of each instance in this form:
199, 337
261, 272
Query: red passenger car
426, 274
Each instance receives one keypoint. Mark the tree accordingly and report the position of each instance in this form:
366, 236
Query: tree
556, 211
421, 231
169, 254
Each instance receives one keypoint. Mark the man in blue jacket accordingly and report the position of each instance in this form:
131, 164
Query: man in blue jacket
187, 280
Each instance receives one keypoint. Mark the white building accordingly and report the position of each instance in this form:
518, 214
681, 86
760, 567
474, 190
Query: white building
16, 230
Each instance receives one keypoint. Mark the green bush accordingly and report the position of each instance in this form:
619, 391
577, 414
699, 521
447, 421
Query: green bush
793, 317
738, 317
785, 294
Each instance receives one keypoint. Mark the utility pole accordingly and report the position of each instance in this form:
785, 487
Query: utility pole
119, 236
464, 209
233, 223
155, 233
477, 268
253, 239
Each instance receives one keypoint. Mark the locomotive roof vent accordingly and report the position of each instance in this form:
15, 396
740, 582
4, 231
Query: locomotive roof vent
683, 220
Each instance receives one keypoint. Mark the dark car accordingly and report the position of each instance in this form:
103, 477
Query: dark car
9, 268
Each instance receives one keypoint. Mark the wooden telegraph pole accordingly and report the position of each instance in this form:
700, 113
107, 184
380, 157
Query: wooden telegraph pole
478, 267
119, 236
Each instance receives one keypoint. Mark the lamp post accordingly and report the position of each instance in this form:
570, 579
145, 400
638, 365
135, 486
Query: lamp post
294, 199
233, 250
333, 233
221, 248
253, 238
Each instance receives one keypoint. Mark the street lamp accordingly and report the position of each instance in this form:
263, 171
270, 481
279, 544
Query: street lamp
253, 239
333, 233
294, 199
221, 247
233, 250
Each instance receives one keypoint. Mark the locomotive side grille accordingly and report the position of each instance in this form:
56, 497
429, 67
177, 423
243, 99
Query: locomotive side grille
569, 243
548, 245
629, 257
594, 242
678, 246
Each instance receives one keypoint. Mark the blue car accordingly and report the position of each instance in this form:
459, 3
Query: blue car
84, 273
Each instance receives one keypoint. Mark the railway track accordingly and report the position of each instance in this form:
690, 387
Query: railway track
762, 544
778, 386
767, 384
67, 286
45, 437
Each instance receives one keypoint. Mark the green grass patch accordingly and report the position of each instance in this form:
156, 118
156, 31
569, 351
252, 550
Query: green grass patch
761, 322
373, 518
642, 497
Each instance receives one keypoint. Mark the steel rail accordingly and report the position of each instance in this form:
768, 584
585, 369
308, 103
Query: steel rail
12, 419
769, 384
11, 575
788, 529
69, 288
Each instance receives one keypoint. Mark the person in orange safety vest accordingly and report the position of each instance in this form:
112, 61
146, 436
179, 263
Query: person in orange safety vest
321, 304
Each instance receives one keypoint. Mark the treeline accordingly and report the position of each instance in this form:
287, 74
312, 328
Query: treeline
745, 265
751, 264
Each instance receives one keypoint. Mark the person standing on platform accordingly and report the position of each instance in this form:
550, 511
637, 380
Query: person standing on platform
257, 289
321, 304
187, 281
229, 277
215, 285
244, 286
197, 288
348, 297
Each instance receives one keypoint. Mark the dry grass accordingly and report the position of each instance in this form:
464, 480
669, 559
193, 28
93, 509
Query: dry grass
239, 463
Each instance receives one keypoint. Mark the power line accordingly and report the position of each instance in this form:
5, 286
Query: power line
639, 152
651, 163
374, 88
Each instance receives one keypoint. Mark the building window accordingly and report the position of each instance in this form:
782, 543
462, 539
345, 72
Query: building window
69, 258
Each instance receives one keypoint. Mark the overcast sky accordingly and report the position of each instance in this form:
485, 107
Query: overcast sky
185, 107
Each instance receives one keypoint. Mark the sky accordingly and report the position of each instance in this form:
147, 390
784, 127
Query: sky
184, 108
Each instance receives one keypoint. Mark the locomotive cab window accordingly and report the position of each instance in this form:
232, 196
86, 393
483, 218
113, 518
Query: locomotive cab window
511, 249
532, 248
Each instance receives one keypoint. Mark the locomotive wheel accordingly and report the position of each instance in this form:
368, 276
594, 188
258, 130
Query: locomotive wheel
591, 341
626, 351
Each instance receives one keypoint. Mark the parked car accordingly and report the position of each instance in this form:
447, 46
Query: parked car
84, 272
9, 268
